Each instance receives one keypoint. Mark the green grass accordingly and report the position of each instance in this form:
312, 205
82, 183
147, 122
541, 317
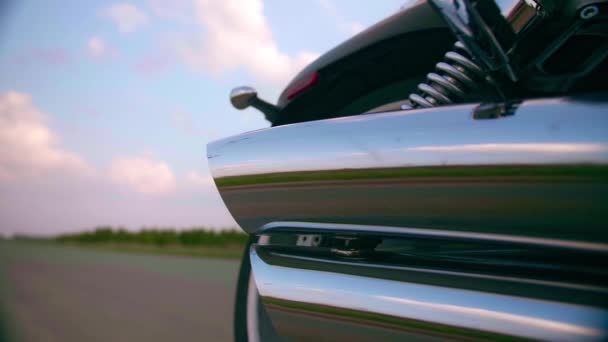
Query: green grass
551, 172
158, 236
194, 242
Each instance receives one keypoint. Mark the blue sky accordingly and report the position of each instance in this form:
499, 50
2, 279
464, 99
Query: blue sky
106, 107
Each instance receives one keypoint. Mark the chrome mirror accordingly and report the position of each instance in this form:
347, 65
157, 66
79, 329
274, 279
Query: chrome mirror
242, 97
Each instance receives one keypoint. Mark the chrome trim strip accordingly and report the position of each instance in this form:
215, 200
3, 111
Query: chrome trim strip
471, 275
435, 233
253, 328
314, 291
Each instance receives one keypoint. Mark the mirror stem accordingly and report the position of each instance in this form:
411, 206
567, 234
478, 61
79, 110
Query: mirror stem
270, 111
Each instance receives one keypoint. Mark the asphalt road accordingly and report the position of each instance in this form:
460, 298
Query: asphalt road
53, 293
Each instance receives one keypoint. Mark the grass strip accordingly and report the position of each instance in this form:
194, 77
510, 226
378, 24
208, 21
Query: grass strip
551, 172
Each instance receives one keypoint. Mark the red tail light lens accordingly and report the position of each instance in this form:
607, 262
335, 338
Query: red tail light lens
302, 85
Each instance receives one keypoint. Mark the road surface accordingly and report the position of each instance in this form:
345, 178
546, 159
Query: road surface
54, 293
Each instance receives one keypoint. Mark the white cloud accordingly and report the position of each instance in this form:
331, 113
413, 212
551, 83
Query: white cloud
127, 17
45, 56
28, 148
187, 125
196, 179
171, 10
143, 175
46, 189
96, 46
237, 35
356, 27
344, 25
184, 122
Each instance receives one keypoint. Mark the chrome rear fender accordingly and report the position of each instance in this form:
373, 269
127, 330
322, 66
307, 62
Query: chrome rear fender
541, 171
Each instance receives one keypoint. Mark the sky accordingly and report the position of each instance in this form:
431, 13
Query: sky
106, 107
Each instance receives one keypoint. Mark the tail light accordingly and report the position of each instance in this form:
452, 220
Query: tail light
301, 85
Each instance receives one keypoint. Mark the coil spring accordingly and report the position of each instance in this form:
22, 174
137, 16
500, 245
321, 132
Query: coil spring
451, 80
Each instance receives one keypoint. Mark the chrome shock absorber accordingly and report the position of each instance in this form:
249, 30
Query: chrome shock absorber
452, 79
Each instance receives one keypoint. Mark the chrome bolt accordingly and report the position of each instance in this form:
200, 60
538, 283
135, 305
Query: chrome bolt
589, 12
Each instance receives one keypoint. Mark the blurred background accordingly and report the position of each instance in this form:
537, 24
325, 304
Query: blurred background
110, 225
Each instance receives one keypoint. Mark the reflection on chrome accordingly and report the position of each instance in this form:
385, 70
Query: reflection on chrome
540, 132
535, 148
509, 8
501, 317
434, 233
413, 309
477, 276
